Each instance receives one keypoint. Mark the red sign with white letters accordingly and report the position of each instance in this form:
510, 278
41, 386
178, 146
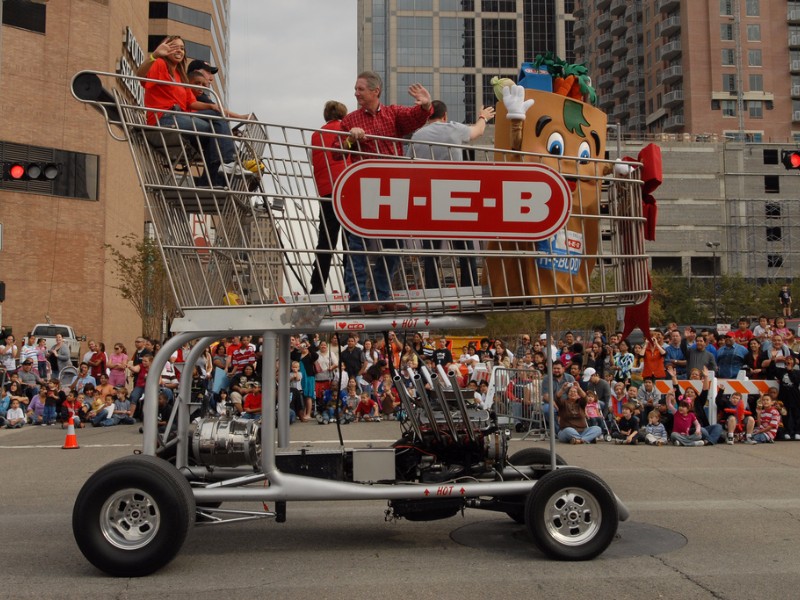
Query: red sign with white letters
445, 200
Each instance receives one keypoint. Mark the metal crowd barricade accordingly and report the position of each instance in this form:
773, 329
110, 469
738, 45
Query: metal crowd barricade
517, 400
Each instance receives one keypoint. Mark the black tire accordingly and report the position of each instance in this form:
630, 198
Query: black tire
525, 458
571, 514
131, 517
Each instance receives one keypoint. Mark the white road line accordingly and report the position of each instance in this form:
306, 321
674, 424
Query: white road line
59, 447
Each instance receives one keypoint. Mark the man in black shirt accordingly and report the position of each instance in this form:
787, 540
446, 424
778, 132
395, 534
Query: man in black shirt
353, 359
442, 355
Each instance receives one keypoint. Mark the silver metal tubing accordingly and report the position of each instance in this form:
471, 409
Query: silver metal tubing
184, 394
462, 405
408, 406
422, 398
438, 389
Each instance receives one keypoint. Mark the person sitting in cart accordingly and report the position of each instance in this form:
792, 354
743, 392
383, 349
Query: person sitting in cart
167, 63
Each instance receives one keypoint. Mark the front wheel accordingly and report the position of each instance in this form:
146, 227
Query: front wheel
571, 514
132, 516
540, 457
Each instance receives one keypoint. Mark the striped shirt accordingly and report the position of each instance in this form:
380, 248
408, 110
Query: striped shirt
769, 421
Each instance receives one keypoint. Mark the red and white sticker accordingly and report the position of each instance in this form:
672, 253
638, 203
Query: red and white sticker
445, 200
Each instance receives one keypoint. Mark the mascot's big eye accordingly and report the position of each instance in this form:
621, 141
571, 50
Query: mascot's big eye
584, 153
555, 144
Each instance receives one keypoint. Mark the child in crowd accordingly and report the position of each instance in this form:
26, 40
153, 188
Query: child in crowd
593, 414
251, 409
737, 417
296, 389
71, 407
104, 415
15, 417
223, 405
388, 397
628, 427
655, 432
367, 409
35, 412
41, 358
769, 419
685, 426
123, 412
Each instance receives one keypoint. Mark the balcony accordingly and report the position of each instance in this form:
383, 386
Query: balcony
619, 48
794, 66
605, 102
605, 80
619, 69
605, 60
603, 21
793, 16
602, 4
796, 116
632, 12
579, 11
636, 123
673, 123
670, 50
633, 33
671, 74
619, 27
579, 45
635, 57
794, 40
635, 101
620, 112
795, 91
604, 41
633, 79
579, 27
669, 26
618, 6
667, 6
673, 98
620, 90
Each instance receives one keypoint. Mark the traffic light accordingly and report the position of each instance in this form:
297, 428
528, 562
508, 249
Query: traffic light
30, 171
791, 159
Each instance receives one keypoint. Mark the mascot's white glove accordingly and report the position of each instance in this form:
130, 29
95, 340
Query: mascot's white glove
515, 103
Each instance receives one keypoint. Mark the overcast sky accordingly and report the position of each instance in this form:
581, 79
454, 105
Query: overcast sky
288, 57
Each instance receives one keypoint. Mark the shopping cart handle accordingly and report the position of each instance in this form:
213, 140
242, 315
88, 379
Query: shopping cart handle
88, 88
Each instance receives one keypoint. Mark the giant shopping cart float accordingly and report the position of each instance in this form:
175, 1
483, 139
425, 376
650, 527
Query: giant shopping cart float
528, 213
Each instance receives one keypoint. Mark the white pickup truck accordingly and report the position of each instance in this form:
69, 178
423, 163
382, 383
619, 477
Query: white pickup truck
48, 331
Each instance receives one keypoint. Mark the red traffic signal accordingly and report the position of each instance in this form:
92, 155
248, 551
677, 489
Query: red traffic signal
791, 159
30, 171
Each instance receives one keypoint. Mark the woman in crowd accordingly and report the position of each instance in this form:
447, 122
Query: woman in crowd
116, 365
753, 362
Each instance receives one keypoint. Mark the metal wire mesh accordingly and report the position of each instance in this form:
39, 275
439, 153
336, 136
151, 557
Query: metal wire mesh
254, 237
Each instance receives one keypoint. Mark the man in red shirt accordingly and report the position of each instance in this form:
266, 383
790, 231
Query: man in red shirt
375, 119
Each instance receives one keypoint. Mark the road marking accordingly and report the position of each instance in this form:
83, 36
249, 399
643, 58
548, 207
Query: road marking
58, 446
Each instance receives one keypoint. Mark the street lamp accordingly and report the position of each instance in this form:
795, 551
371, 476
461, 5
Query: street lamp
713, 246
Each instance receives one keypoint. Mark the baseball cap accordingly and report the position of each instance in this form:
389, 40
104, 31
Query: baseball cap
198, 65
543, 336
27, 361
587, 373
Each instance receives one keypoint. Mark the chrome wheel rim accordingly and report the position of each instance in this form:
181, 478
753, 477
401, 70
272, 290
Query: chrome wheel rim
130, 519
572, 516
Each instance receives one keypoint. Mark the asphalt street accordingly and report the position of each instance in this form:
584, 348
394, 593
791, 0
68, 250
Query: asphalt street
711, 522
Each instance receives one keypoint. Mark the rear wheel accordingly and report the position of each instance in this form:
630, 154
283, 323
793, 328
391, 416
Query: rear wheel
526, 458
571, 514
132, 516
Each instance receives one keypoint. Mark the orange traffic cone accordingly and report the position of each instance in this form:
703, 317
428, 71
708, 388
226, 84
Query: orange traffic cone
71, 443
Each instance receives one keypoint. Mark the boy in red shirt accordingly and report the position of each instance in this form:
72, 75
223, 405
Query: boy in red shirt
367, 409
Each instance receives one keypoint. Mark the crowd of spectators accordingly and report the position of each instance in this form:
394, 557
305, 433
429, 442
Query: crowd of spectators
602, 383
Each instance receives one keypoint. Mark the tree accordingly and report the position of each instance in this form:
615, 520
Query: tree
143, 282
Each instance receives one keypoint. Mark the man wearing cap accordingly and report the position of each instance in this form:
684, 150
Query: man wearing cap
731, 357
29, 379
202, 73
592, 382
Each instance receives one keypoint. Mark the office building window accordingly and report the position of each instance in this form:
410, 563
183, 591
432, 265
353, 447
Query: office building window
728, 57
774, 261
772, 210
499, 5
770, 156
414, 4
181, 14
414, 42
756, 109
774, 234
539, 27
753, 8
728, 82
754, 58
754, 33
772, 184
726, 7
499, 43
193, 49
726, 32
24, 14
457, 5
456, 42
404, 80
728, 108
756, 83
458, 93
